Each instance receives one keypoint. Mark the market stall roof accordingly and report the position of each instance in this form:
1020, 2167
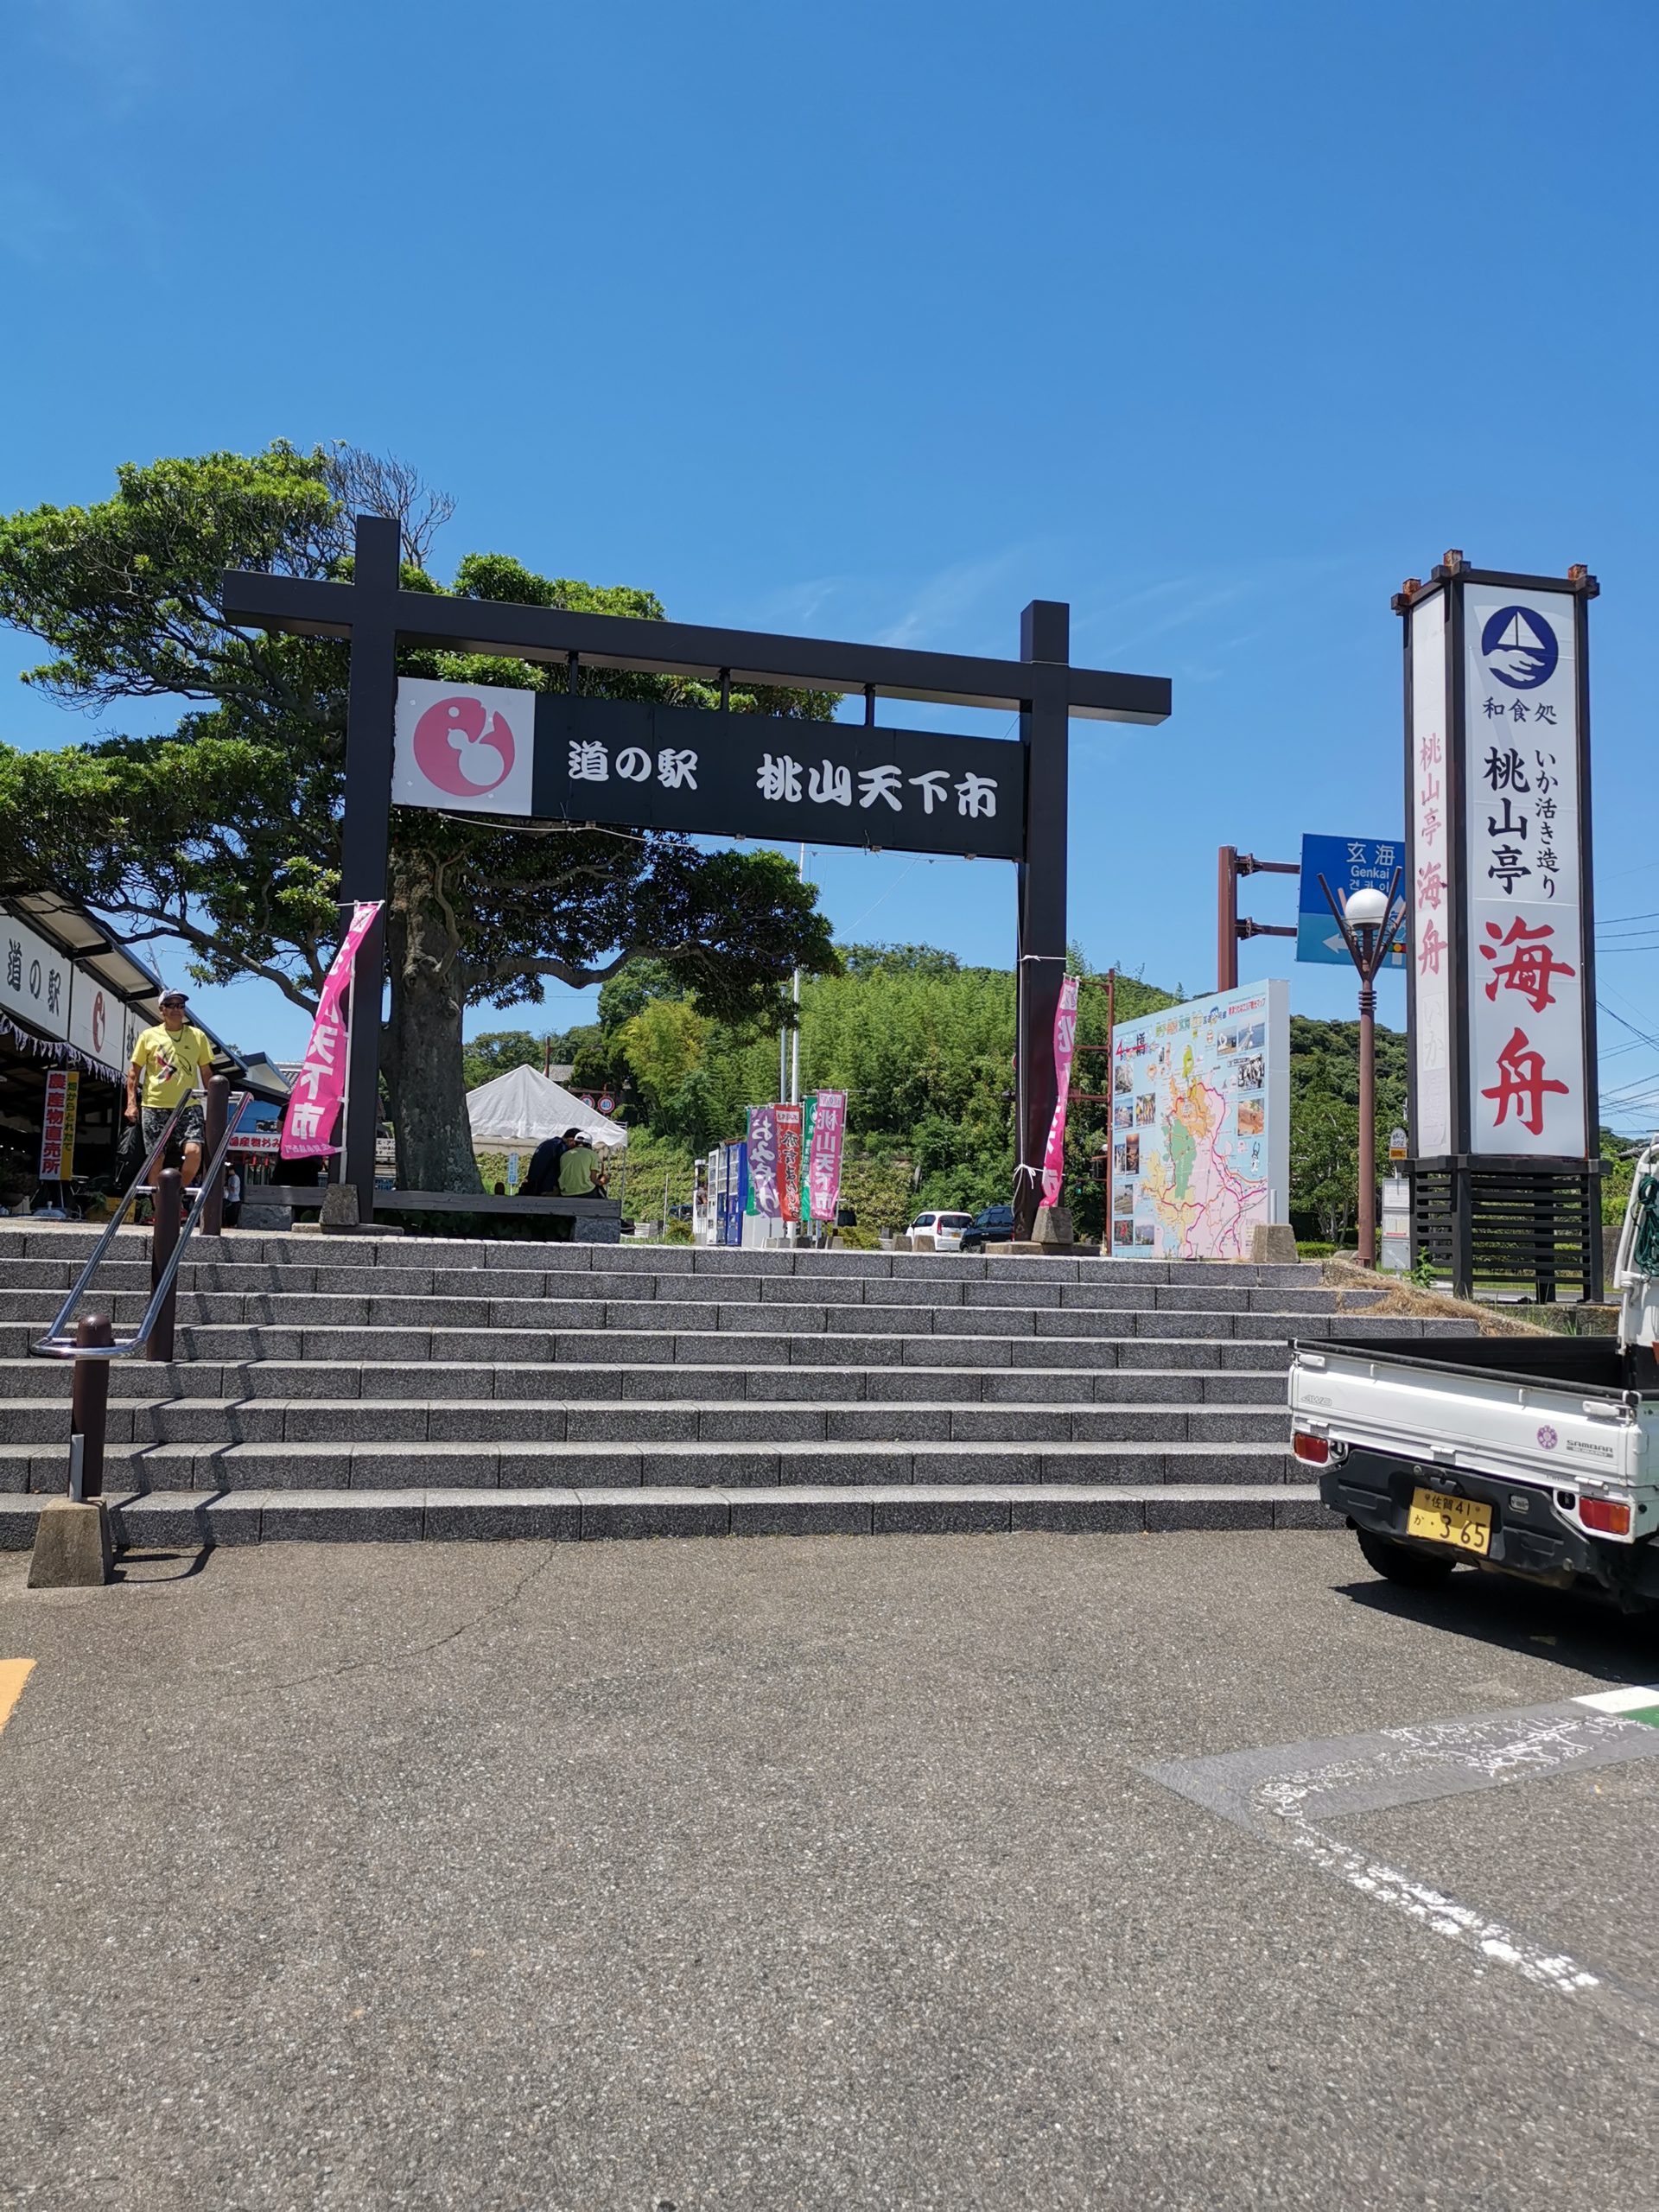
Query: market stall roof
91, 942
262, 1076
514, 1112
93, 945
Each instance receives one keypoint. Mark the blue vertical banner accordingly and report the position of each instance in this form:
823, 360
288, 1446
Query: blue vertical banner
1348, 864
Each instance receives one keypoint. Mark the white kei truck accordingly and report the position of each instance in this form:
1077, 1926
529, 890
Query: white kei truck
1536, 1456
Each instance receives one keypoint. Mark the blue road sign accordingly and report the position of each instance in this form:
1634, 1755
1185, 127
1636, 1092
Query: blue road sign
1348, 864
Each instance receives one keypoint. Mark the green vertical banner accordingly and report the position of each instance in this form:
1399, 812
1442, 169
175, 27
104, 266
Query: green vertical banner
806, 1153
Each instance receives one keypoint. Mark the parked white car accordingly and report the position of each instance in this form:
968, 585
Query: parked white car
947, 1229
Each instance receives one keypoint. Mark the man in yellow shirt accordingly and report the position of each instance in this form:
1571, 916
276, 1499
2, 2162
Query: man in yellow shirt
168, 1059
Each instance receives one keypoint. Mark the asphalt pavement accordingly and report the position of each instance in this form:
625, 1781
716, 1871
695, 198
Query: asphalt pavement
811, 1872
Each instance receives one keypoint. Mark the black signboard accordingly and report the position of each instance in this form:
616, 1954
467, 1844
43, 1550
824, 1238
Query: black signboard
657, 767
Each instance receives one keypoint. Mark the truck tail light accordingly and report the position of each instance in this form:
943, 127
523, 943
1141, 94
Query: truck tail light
1315, 1450
1602, 1513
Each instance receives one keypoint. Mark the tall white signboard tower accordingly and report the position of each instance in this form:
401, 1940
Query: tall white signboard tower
1501, 980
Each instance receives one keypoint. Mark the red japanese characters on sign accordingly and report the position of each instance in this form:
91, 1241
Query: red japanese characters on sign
1522, 1083
58, 1126
1525, 924
1531, 965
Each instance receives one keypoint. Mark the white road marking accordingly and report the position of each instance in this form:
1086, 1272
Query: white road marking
1430, 1909
1278, 1793
1632, 1697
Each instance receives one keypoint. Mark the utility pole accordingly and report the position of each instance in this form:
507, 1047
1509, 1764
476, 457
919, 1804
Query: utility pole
1369, 924
1230, 864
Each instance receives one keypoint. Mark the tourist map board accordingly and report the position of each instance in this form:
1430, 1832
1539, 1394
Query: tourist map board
1201, 1126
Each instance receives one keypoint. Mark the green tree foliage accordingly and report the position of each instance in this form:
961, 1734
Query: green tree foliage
661, 1045
1616, 1175
225, 832
1324, 1120
923, 1046
1324, 1148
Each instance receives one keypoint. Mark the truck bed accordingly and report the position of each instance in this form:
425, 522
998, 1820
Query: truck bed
1589, 1363
1567, 1412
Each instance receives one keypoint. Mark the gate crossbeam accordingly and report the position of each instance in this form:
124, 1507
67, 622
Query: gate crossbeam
379, 617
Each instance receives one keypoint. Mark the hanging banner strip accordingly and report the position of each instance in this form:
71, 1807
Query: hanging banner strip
1065, 1038
313, 1104
823, 1156
763, 1195
788, 1121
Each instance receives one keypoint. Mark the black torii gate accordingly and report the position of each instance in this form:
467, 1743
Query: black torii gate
378, 617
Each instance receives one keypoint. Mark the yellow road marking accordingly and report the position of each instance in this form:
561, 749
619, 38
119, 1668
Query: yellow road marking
13, 1673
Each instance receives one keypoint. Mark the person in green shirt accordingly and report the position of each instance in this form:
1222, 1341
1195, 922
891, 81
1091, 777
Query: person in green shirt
168, 1060
579, 1171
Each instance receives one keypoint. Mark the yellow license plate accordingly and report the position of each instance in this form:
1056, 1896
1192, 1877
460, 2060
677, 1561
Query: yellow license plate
1460, 1520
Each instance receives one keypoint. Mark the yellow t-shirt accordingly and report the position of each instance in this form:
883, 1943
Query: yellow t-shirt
171, 1064
576, 1172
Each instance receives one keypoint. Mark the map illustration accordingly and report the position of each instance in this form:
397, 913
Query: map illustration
1200, 1126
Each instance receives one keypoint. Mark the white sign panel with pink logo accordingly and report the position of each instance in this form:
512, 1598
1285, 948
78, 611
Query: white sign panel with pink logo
464, 749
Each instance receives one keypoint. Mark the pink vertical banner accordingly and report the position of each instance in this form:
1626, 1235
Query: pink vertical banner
313, 1102
823, 1161
1066, 1038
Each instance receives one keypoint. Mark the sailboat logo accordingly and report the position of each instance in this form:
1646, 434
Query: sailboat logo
1519, 648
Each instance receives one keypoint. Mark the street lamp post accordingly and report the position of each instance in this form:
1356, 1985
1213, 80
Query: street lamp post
1369, 923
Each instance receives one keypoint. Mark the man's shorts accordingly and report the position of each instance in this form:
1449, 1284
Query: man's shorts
189, 1129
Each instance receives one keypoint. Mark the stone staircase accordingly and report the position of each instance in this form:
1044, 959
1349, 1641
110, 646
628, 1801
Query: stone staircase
375, 1388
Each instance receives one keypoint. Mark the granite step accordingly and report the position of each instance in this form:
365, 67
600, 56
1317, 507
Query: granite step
44, 1282
73, 1242
179, 1520
475, 1465
1148, 1345
418, 1381
44, 1422
308, 1309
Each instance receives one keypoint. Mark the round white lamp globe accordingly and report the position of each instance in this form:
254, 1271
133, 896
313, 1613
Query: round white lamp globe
1367, 909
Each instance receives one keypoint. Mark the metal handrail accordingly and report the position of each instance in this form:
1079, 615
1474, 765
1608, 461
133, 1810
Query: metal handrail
51, 1345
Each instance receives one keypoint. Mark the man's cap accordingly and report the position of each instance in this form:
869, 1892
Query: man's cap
173, 998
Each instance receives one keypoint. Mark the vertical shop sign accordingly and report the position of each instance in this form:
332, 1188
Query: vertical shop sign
1525, 963
58, 1126
1430, 891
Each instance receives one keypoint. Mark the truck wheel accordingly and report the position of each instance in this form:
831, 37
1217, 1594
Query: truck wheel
1413, 1570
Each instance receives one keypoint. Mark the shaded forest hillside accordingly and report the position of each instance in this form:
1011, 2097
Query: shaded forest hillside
924, 1048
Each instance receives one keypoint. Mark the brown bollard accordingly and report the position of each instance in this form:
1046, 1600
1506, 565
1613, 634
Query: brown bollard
163, 1239
213, 1212
89, 1405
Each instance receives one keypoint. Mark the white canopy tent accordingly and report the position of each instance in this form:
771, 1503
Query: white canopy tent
514, 1112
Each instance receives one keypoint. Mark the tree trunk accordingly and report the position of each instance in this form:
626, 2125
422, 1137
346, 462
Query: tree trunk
421, 1051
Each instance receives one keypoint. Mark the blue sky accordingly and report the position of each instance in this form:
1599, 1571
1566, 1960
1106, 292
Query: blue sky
878, 321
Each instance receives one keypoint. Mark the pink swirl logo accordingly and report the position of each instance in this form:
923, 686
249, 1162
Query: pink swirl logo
1547, 1437
456, 752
